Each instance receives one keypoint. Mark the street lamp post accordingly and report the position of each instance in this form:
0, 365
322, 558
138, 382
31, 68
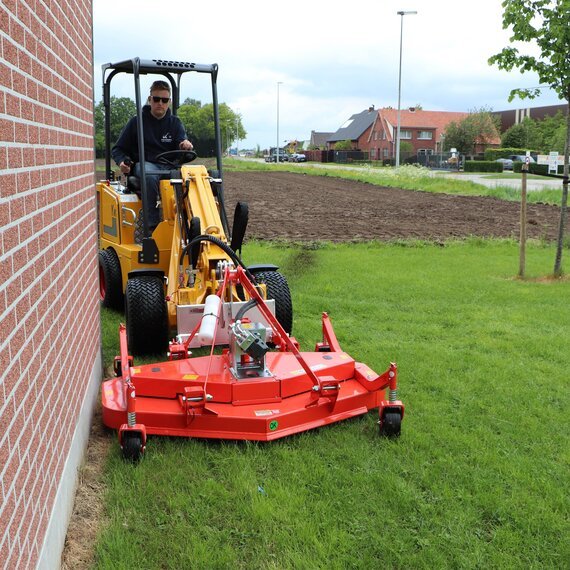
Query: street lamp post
401, 13
277, 149
237, 133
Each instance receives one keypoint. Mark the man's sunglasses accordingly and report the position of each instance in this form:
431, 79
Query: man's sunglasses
158, 99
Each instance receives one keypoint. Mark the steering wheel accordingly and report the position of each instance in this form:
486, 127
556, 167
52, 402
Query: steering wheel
176, 158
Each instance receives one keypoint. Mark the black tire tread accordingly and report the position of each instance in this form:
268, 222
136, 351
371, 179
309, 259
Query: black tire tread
278, 289
110, 266
390, 425
132, 447
146, 315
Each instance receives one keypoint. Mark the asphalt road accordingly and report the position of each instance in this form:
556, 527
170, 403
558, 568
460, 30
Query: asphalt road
531, 183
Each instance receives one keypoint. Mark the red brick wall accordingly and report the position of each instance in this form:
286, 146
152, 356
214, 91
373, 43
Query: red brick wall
49, 326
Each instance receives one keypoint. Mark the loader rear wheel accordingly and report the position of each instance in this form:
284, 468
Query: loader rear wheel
278, 289
132, 447
110, 280
390, 424
146, 315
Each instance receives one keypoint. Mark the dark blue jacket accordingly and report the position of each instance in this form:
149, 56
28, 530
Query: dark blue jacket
160, 135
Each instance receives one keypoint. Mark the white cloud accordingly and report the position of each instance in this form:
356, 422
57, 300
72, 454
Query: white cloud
333, 60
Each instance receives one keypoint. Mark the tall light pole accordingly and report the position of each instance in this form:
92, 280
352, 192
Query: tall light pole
237, 132
277, 149
401, 14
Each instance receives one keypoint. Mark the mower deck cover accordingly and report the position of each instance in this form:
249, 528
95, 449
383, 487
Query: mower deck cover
249, 391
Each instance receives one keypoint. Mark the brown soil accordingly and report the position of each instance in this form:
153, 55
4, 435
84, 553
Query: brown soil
306, 208
284, 205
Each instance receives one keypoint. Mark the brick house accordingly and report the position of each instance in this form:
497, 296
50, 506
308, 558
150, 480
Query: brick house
356, 130
50, 363
424, 130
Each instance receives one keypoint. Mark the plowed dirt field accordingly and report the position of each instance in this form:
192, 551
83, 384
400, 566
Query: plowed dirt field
293, 206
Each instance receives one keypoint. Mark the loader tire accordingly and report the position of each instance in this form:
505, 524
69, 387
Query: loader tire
278, 289
146, 315
110, 280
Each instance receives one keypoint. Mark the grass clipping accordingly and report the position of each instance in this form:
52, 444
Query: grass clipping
88, 511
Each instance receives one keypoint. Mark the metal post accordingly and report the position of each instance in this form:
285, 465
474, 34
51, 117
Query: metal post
522, 245
237, 133
277, 149
401, 14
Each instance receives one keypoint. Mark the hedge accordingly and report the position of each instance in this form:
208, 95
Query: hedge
534, 168
494, 153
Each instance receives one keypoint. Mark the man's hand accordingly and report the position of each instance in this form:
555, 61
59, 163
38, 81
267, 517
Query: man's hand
186, 145
125, 166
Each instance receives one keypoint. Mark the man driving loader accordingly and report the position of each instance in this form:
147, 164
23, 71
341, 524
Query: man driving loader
163, 132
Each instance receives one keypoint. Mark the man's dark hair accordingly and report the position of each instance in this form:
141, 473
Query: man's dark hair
160, 86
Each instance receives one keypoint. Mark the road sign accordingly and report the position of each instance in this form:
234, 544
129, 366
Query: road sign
553, 162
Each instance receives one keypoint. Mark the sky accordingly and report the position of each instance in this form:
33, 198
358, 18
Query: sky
288, 68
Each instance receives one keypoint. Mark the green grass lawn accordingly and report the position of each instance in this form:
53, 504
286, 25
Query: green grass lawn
479, 477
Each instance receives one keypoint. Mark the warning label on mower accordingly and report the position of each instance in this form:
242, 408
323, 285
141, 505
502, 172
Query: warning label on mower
266, 412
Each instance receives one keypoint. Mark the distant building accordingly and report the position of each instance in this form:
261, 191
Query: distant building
354, 129
515, 116
424, 130
319, 139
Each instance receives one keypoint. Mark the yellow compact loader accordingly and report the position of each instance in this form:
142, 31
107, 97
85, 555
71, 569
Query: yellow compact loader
163, 278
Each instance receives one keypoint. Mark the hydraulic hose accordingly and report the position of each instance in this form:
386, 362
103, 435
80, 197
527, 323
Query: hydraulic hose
222, 245
245, 308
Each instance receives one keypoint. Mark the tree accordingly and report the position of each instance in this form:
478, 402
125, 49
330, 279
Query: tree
198, 120
122, 109
479, 128
343, 145
553, 132
544, 25
406, 150
525, 134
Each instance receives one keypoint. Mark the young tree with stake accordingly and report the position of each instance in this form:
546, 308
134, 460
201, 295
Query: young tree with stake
545, 24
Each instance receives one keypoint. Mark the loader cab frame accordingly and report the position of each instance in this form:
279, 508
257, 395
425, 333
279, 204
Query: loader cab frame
172, 71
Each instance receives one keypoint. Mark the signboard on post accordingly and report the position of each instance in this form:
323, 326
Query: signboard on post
553, 162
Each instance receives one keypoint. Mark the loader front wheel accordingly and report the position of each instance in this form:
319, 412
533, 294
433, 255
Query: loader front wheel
110, 280
278, 289
146, 315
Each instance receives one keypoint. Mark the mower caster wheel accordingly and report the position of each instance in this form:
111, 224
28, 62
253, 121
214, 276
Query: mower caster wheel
132, 447
390, 424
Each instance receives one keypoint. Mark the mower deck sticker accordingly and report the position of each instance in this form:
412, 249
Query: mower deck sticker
265, 412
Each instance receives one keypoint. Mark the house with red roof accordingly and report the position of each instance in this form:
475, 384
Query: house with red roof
374, 132
424, 130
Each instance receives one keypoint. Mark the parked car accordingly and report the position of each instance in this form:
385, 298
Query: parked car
298, 157
521, 158
506, 162
272, 157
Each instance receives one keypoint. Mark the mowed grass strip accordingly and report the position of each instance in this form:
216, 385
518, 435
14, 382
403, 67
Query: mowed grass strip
478, 478
407, 177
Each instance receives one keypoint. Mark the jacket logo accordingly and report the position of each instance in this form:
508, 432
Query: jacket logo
166, 138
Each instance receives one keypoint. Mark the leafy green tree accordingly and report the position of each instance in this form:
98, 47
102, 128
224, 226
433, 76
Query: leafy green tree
122, 109
198, 120
406, 150
479, 128
553, 132
525, 134
343, 145
543, 24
